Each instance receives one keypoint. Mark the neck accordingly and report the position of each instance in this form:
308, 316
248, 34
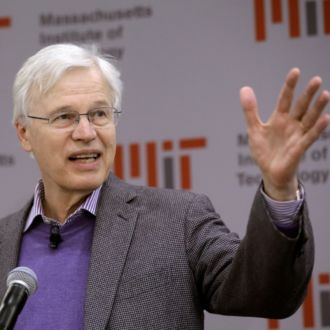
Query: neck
59, 205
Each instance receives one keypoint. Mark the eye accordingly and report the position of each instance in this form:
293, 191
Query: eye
99, 113
63, 118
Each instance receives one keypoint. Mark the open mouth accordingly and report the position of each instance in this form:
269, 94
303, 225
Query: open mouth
86, 158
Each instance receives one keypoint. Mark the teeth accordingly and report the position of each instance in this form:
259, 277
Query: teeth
85, 156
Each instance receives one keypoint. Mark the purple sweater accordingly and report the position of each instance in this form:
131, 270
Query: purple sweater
62, 274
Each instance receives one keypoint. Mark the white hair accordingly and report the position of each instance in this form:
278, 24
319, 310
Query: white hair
44, 69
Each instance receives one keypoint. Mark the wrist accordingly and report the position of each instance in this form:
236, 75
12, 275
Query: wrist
288, 192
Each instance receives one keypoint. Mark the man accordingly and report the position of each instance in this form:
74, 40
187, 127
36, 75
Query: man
131, 257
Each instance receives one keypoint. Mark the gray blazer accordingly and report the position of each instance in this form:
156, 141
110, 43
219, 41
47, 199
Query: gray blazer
160, 257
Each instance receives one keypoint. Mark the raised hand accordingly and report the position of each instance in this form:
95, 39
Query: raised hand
279, 144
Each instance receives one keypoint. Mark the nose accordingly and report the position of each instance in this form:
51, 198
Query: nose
84, 130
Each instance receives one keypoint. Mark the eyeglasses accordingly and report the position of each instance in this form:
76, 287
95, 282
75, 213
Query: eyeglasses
99, 117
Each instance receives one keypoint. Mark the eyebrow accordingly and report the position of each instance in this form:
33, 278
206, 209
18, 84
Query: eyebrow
60, 109
102, 103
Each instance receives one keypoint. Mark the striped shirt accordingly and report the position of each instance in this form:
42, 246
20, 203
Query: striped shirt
283, 213
88, 205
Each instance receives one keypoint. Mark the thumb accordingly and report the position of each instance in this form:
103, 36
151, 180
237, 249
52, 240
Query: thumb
250, 106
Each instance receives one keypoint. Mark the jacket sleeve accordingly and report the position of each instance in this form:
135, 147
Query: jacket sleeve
264, 275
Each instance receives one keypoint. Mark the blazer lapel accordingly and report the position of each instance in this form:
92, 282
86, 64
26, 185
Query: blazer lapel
11, 229
115, 223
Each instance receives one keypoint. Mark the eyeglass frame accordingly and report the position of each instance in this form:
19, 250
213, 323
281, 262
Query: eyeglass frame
114, 111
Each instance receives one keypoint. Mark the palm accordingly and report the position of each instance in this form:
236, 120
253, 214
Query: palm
276, 147
279, 144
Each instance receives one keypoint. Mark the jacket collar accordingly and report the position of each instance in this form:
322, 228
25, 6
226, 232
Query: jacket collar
115, 222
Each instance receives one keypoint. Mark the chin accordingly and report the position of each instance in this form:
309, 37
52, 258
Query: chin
87, 183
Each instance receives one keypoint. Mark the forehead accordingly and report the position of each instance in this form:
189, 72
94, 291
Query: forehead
80, 78
74, 86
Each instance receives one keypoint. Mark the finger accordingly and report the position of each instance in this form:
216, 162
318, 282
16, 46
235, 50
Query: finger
305, 99
286, 95
314, 133
250, 106
310, 117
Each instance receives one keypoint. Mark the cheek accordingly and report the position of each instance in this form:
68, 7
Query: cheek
109, 140
47, 150
45, 155
36, 144
110, 145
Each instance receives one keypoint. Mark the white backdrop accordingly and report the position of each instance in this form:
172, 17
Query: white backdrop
183, 63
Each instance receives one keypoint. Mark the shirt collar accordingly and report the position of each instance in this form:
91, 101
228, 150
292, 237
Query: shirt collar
88, 205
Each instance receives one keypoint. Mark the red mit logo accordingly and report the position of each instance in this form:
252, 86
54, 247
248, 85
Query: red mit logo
310, 10
153, 164
5, 22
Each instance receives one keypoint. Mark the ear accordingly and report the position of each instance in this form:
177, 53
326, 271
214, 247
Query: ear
23, 134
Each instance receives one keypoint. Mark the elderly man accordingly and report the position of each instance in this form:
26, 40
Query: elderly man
110, 255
